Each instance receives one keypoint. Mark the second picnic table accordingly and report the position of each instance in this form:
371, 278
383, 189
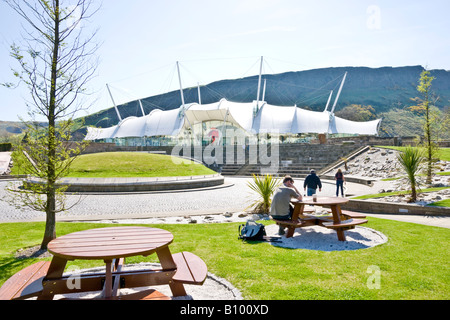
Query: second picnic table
337, 221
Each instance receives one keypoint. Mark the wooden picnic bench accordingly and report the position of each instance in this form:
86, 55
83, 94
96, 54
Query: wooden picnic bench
339, 220
45, 279
351, 215
25, 283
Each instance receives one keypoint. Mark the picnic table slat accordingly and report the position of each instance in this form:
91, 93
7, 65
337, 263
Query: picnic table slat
190, 268
107, 255
110, 240
150, 294
86, 235
344, 223
106, 243
110, 231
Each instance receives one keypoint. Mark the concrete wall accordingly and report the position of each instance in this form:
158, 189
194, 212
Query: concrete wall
394, 208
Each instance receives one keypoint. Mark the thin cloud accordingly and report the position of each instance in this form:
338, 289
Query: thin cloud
263, 30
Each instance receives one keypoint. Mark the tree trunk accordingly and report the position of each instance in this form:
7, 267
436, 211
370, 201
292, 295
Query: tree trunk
428, 136
50, 226
413, 194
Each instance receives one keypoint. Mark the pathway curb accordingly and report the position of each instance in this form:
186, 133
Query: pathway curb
394, 208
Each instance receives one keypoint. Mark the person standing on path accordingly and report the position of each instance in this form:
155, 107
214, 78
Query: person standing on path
339, 176
312, 182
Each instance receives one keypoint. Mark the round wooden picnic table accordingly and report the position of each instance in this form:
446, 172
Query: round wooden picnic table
109, 244
321, 201
334, 204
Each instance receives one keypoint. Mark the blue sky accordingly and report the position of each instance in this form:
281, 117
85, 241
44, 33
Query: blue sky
213, 40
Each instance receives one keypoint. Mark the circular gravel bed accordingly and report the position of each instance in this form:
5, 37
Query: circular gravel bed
323, 239
214, 288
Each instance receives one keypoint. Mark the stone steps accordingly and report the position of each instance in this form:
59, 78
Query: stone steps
294, 160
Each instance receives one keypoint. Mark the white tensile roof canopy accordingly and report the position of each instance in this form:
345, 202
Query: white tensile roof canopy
264, 119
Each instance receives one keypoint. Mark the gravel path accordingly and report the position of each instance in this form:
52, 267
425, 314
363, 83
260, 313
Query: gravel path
234, 196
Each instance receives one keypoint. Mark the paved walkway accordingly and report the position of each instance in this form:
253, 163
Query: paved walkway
5, 158
233, 196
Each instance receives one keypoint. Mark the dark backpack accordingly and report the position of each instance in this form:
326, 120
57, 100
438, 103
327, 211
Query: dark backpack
253, 231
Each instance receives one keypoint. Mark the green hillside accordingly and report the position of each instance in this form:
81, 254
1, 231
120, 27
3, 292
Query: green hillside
383, 88
387, 90
10, 128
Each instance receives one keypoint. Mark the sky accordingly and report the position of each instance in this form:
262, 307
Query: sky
142, 40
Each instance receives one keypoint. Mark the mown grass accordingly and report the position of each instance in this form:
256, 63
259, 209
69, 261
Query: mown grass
133, 164
396, 193
443, 153
442, 203
413, 263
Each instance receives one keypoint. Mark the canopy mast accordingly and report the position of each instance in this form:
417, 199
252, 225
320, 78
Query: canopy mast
115, 107
142, 108
331, 115
182, 102
264, 91
328, 102
339, 93
259, 85
199, 95
181, 87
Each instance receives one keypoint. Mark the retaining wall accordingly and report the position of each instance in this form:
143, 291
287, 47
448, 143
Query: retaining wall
100, 185
394, 208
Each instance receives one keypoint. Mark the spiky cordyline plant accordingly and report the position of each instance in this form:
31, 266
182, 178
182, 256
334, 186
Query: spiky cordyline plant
264, 186
411, 159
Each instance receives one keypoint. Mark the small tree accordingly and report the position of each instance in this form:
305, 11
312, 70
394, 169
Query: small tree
55, 64
357, 112
411, 160
431, 147
30, 158
264, 186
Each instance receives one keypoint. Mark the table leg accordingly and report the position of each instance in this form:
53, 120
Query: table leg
340, 234
336, 210
108, 279
166, 260
55, 271
298, 211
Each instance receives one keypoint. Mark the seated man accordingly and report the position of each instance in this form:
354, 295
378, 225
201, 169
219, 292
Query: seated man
281, 208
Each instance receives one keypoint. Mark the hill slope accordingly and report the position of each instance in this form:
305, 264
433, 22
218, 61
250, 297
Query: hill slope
383, 88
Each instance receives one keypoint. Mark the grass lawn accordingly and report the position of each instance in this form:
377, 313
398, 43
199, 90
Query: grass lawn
443, 153
413, 263
394, 193
133, 164
442, 203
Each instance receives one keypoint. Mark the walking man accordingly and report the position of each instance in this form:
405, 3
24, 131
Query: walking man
312, 182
